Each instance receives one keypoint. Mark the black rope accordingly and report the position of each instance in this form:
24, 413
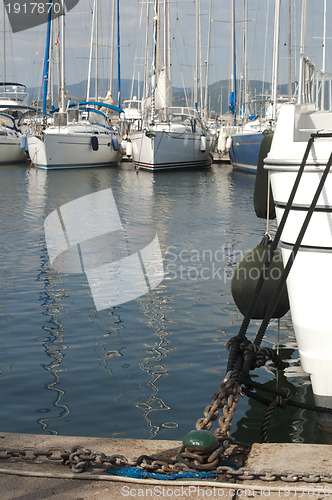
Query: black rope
251, 384
297, 244
232, 360
246, 355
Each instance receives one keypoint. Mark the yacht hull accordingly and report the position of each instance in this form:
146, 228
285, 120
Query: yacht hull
62, 151
244, 151
311, 274
10, 150
169, 149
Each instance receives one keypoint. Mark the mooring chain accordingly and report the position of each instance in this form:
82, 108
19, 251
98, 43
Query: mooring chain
80, 459
226, 398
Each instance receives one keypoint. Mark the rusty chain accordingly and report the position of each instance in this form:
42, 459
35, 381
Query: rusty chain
226, 398
80, 459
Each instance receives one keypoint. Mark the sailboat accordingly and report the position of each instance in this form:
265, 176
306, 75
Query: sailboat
299, 166
13, 99
169, 138
76, 135
247, 139
12, 96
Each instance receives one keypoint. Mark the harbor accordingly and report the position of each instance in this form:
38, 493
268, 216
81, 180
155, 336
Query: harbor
165, 256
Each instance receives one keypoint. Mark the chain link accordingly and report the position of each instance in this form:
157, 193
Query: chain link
226, 398
81, 459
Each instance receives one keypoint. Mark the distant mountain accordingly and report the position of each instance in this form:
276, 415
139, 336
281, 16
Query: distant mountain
218, 92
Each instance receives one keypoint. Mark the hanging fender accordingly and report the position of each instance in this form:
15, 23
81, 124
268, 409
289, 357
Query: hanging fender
221, 144
129, 148
203, 143
115, 143
261, 182
94, 143
245, 278
24, 143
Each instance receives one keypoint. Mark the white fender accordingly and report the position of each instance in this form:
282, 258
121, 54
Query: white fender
203, 143
228, 143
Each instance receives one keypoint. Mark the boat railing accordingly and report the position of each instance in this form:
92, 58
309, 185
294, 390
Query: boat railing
183, 111
315, 86
13, 92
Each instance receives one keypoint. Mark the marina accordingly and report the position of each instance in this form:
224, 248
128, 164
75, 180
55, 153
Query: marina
165, 259
156, 360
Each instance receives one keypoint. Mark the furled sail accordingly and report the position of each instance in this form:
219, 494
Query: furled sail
163, 95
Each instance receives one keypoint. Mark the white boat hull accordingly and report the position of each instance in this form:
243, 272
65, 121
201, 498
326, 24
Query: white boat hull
10, 150
169, 148
54, 150
310, 278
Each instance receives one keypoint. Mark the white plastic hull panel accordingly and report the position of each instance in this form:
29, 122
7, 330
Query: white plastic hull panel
310, 278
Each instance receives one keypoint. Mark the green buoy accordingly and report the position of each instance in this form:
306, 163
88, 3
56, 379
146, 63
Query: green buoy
202, 441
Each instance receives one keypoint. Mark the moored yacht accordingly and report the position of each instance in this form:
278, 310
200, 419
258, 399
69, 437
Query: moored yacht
301, 151
13, 99
168, 138
76, 138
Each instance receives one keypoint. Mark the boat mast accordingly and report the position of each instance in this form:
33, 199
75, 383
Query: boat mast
233, 61
112, 47
322, 104
165, 57
289, 43
146, 57
96, 51
275, 59
207, 64
196, 58
200, 57
301, 90
154, 62
91, 49
62, 48
118, 37
4, 44
303, 26
47, 59
245, 97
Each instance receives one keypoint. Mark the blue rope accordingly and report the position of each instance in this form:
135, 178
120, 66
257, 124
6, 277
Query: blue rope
136, 472
139, 473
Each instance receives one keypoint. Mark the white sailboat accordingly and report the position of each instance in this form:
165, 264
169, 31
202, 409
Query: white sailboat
301, 155
13, 98
76, 136
170, 138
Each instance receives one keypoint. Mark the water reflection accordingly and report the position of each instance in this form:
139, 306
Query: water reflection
155, 364
51, 299
146, 368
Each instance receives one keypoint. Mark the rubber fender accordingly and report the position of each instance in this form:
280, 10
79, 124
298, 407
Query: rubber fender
221, 145
203, 143
94, 143
129, 149
261, 182
229, 141
24, 143
245, 278
115, 143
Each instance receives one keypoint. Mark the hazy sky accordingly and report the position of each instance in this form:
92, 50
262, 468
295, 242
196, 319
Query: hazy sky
25, 50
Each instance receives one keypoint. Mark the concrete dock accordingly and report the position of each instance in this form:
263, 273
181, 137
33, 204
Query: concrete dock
40, 479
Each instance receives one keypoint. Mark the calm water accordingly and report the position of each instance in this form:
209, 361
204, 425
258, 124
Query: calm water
148, 367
